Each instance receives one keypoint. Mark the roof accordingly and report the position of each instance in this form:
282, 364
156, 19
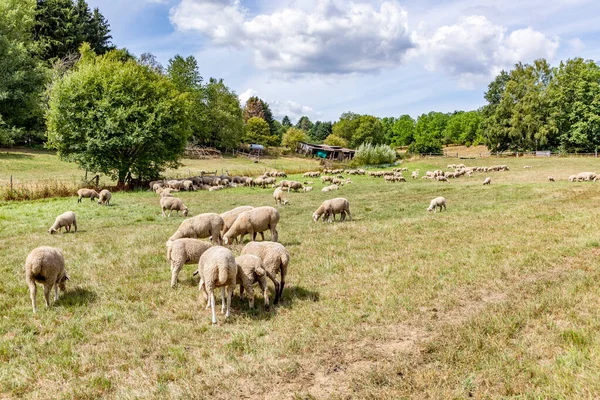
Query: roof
328, 148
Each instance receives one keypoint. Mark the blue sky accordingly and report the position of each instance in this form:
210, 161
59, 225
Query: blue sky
386, 58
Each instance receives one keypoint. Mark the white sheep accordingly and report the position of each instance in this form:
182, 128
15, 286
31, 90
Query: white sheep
217, 268
104, 197
65, 219
47, 266
414, 174
184, 251
308, 188
527, 167
172, 204
250, 271
329, 208
201, 226
330, 188
230, 216
437, 202
487, 181
275, 259
255, 221
278, 196
91, 193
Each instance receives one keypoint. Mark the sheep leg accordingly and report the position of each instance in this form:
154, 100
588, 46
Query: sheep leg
32, 293
212, 306
79, 200
202, 287
263, 286
249, 294
170, 211
47, 289
283, 273
275, 283
253, 233
349, 215
56, 291
175, 268
230, 289
223, 300
74, 226
274, 234
68, 228
262, 236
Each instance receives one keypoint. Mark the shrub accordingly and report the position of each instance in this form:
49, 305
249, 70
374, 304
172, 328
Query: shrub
368, 154
334, 140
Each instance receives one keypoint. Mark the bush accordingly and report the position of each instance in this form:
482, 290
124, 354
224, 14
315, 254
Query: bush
368, 154
334, 140
425, 146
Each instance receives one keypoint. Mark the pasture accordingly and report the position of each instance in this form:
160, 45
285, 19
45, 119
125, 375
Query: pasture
497, 297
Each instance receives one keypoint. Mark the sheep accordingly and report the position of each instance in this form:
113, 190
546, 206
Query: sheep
157, 188
441, 178
307, 188
294, 185
91, 193
188, 185
175, 184
250, 271
572, 178
586, 176
326, 178
337, 181
255, 221
414, 174
330, 188
329, 208
437, 202
217, 268
230, 216
278, 196
527, 167
551, 179
47, 266
275, 259
166, 192
200, 226
172, 204
65, 219
487, 181
184, 251
104, 197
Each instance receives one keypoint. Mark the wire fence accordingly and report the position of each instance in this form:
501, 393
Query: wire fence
508, 154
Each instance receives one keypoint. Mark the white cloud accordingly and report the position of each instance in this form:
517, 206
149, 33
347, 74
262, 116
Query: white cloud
279, 109
331, 37
576, 45
475, 49
244, 96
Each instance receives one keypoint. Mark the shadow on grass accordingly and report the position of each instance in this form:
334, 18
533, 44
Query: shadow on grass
77, 297
14, 156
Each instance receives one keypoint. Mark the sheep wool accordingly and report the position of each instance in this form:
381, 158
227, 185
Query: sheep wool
217, 268
47, 266
275, 259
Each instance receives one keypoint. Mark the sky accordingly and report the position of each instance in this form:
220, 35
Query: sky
386, 58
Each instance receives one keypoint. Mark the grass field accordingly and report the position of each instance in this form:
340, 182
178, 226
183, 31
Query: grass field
496, 298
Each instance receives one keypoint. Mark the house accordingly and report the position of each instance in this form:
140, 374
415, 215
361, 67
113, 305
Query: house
324, 151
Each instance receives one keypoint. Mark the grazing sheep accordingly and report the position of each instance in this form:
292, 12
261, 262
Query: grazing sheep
201, 226
330, 188
230, 216
326, 178
172, 204
250, 271
217, 268
188, 185
47, 266
551, 179
166, 192
278, 196
157, 188
586, 176
275, 259
294, 185
91, 193
65, 219
441, 178
104, 197
255, 221
307, 188
184, 251
527, 167
329, 208
487, 181
437, 202
572, 178
414, 174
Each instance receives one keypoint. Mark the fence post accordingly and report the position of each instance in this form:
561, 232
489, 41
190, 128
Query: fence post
11, 187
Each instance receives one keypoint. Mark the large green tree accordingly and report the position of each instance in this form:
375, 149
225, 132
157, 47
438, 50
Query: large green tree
292, 137
22, 77
346, 126
118, 118
403, 131
224, 122
63, 25
320, 130
304, 123
464, 128
369, 130
256, 131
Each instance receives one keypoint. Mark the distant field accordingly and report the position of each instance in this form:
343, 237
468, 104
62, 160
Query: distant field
495, 298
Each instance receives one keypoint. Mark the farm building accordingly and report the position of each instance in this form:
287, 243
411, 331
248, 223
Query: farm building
325, 151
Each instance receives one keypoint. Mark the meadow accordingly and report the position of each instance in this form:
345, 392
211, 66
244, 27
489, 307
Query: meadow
495, 298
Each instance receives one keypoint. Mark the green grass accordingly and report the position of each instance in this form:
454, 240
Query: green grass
495, 298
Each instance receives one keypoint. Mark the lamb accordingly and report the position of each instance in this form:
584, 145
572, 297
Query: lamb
255, 221
65, 219
551, 179
329, 208
487, 181
184, 251
172, 204
251, 271
278, 196
217, 268
45, 265
91, 193
437, 202
200, 226
275, 259
104, 197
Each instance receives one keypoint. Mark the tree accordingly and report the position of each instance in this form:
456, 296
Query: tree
304, 123
320, 130
256, 131
292, 137
464, 128
403, 131
369, 130
334, 140
256, 107
346, 126
22, 77
223, 120
150, 60
63, 25
118, 118
286, 122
